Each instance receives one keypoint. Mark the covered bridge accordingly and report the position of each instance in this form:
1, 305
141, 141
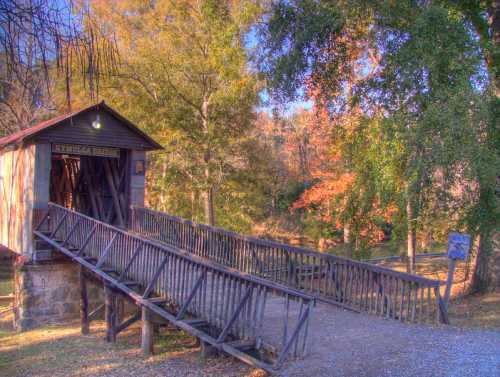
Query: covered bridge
92, 161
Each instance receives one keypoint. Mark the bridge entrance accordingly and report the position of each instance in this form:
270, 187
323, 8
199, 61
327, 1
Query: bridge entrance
96, 186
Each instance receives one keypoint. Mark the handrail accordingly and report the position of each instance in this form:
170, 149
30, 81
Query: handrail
353, 284
197, 287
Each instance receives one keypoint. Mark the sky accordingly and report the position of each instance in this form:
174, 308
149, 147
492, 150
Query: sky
267, 105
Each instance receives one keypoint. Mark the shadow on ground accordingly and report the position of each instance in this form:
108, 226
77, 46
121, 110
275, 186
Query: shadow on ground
63, 351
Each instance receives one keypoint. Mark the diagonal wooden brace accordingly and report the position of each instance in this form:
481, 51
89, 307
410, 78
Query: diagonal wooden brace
87, 240
58, 226
152, 283
45, 218
296, 332
129, 264
191, 296
234, 316
71, 231
106, 251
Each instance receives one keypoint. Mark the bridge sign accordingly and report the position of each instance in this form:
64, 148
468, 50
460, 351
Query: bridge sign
458, 249
458, 245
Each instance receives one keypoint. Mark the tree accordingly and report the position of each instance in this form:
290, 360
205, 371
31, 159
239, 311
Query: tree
37, 39
426, 89
184, 71
484, 16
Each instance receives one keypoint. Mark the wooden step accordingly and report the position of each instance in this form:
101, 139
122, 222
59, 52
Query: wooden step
196, 322
158, 300
130, 283
90, 260
242, 345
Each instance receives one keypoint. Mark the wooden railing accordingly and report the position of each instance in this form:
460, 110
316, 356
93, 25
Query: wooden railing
352, 284
233, 306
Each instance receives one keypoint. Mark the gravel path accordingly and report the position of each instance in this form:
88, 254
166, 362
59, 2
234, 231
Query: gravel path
343, 343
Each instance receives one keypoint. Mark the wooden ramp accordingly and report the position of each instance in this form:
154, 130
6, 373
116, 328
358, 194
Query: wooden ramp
225, 308
348, 283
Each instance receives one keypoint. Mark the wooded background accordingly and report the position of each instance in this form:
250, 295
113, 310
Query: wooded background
395, 144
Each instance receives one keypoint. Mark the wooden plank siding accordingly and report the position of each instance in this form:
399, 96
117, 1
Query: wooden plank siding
17, 179
349, 283
79, 130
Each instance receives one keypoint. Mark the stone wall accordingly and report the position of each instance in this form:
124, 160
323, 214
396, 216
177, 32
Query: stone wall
49, 293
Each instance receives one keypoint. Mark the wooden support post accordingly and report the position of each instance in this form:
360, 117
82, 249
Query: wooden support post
84, 302
147, 333
110, 313
449, 282
207, 350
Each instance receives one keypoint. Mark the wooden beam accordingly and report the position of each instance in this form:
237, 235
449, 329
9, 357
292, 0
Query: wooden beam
234, 316
58, 226
84, 302
185, 305
152, 283
104, 254
298, 327
114, 193
85, 166
87, 240
147, 333
110, 313
94, 313
131, 320
129, 264
70, 233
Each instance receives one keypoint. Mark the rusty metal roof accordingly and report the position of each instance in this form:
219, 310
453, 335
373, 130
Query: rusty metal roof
20, 136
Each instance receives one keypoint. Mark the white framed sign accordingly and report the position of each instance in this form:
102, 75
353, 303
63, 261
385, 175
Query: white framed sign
458, 245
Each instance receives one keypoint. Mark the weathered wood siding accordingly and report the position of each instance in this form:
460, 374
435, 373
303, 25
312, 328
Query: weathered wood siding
17, 171
137, 181
79, 130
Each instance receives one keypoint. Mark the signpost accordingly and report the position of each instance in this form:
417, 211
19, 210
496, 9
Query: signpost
458, 249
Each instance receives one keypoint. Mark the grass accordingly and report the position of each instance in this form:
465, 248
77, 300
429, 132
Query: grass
62, 351
477, 310
6, 282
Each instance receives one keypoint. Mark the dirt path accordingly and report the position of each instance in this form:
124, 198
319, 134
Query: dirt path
343, 343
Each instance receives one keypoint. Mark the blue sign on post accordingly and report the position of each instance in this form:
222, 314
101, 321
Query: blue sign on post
458, 245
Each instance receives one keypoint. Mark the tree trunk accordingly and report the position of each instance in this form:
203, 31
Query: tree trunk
347, 233
481, 278
486, 274
209, 206
208, 195
494, 58
193, 205
412, 237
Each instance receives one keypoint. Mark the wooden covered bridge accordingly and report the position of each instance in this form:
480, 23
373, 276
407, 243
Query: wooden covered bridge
72, 208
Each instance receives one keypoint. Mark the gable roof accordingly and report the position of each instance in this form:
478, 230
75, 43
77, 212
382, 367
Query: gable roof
20, 136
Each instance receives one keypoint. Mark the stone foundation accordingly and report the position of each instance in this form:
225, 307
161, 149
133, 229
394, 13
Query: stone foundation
49, 293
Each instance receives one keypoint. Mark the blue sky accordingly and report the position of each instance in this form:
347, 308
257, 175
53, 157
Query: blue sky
251, 41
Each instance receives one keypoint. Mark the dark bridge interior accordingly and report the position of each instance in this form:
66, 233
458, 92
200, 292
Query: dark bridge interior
95, 186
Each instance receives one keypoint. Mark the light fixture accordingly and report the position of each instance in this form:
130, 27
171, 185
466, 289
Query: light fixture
96, 124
